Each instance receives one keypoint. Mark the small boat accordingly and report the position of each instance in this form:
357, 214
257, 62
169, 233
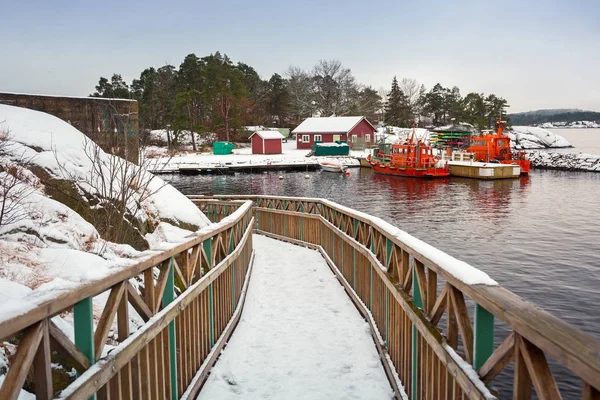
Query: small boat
331, 166
414, 158
492, 147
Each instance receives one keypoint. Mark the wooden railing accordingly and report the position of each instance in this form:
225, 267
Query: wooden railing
419, 298
189, 296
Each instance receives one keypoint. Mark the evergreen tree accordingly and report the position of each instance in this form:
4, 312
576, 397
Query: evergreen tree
278, 100
397, 107
116, 88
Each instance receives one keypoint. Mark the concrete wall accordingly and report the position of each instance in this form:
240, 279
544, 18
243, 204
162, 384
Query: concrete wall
111, 123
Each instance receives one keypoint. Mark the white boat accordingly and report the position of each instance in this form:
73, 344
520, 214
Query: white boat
331, 166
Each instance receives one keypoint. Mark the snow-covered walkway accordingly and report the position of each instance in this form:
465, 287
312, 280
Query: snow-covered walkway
299, 336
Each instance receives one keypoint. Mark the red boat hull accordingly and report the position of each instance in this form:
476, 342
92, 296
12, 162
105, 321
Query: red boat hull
385, 169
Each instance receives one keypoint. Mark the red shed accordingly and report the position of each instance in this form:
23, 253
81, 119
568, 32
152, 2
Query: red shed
354, 130
266, 142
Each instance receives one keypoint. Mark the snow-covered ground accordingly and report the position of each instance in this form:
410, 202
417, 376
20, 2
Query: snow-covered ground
244, 157
299, 336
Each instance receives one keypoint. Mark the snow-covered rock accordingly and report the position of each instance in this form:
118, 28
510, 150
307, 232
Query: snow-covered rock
565, 161
531, 137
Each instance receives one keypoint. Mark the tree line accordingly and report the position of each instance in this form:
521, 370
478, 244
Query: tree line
213, 94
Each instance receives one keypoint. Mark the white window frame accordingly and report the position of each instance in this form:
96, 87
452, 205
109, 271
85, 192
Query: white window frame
354, 138
305, 138
367, 137
318, 138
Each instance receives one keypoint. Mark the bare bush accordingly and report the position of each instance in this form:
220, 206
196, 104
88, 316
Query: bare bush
118, 189
15, 183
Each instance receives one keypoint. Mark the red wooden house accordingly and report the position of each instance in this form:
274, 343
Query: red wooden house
266, 142
354, 130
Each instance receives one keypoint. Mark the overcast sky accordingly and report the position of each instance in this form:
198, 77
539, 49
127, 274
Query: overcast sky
536, 54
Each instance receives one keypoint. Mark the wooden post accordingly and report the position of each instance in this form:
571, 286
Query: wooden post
415, 356
207, 244
483, 345
168, 297
83, 318
302, 228
211, 319
354, 263
387, 313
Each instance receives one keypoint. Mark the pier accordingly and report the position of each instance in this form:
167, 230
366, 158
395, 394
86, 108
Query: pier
442, 329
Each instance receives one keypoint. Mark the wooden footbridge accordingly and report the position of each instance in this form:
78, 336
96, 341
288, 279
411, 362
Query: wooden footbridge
440, 335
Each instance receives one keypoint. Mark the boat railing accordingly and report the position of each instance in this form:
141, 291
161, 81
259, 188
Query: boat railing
448, 330
188, 296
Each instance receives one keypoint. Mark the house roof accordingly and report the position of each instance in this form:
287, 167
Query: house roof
329, 124
268, 134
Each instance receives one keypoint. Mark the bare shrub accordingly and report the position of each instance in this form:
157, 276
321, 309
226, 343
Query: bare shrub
15, 183
118, 189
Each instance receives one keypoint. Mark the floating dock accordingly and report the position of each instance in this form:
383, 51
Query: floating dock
480, 170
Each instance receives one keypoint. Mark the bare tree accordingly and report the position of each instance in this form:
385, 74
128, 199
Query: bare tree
299, 87
15, 183
118, 186
334, 87
410, 87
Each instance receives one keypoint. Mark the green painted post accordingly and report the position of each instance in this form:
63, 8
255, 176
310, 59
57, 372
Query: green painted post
207, 244
419, 303
355, 228
169, 297
483, 343
211, 317
388, 251
84, 330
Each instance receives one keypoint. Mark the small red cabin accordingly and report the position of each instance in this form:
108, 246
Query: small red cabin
354, 130
266, 142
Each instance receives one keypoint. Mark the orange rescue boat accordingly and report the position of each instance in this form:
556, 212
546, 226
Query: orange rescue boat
496, 148
414, 158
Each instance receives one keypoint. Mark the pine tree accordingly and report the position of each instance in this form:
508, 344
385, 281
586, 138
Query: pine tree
397, 108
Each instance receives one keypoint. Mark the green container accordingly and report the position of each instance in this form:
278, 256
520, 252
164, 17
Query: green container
222, 148
331, 149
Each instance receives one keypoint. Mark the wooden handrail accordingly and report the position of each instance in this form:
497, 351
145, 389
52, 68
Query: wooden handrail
569, 346
56, 304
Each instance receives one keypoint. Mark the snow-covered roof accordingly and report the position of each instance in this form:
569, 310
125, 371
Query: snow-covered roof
328, 125
268, 134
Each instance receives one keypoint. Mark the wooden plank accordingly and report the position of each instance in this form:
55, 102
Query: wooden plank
161, 284
67, 348
499, 359
26, 352
139, 305
431, 290
464, 323
107, 318
539, 371
123, 315
522, 380
439, 306
144, 373
149, 295
422, 281
42, 366
589, 392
